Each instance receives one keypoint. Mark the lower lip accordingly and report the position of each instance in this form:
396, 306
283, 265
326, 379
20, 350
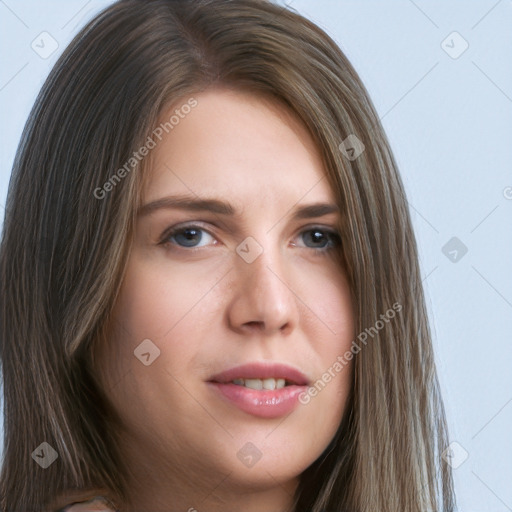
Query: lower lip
265, 403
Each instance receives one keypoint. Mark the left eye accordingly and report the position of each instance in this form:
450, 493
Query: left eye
318, 238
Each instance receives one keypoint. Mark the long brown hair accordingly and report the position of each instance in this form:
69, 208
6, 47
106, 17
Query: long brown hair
64, 249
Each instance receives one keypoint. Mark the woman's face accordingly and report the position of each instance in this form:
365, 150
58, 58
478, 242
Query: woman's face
235, 262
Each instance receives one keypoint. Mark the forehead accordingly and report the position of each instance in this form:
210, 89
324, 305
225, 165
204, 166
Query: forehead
238, 145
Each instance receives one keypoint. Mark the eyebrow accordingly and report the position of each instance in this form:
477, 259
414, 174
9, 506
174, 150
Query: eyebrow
225, 208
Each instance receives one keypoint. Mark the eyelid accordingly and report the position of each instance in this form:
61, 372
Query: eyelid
323, 227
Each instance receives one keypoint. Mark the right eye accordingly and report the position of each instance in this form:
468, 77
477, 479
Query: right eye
190, 236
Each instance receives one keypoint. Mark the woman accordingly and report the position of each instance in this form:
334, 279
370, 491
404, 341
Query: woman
211, 297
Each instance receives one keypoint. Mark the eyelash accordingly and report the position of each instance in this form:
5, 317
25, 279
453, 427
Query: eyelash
333, 242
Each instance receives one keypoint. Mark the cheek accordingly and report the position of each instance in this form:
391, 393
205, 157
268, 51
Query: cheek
157, 298
333, 307
156, 303
161, 307
328, 312
329, 325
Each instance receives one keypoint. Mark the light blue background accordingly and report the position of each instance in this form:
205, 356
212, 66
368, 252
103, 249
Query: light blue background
450, 125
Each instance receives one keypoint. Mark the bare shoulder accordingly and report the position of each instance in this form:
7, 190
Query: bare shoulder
94, 504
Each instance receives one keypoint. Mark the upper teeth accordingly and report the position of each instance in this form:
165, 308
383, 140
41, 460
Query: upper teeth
261, 383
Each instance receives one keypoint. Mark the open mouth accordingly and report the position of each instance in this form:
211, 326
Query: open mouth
260, 384
262, 376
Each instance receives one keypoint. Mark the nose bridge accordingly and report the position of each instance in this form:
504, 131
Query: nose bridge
260, 273
263, 295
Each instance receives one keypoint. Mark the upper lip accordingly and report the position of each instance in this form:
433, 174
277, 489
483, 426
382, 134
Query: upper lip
260, 370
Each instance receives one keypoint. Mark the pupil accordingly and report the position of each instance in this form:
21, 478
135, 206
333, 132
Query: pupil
317, 237
189, 237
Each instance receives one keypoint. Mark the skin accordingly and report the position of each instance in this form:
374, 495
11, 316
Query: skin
207, 310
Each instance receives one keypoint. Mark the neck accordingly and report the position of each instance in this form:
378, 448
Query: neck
169, 486
225, 497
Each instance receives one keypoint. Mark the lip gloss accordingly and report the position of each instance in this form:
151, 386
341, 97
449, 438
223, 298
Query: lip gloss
262, 403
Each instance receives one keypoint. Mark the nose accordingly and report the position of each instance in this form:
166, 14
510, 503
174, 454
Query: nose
263, 301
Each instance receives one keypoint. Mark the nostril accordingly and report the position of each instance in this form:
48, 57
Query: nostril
254, 324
